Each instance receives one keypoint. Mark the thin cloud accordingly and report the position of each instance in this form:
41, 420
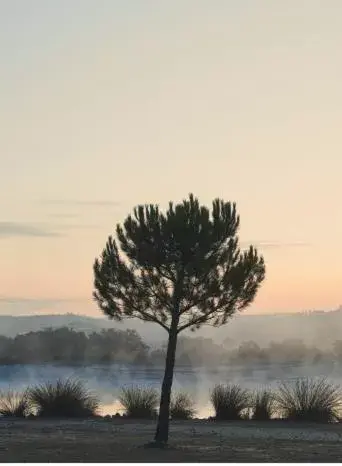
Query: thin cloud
275, 244
75, 226
40, 230
37, 301
13, 229
81, 203
62, 215
17, 303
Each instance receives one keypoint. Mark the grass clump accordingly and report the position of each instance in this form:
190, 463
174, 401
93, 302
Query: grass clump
310, 400
139, 402
182, 407
263, 405
230, 402
14, 404
64, 398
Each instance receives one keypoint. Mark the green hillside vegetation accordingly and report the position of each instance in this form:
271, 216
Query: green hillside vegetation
70, 347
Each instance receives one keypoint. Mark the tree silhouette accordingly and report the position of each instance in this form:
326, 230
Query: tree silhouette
180, 269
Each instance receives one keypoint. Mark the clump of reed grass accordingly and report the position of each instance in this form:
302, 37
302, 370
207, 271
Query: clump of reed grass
63, 398
139, 402
263, 405
230, 402
182, 407
14, 404
310, 400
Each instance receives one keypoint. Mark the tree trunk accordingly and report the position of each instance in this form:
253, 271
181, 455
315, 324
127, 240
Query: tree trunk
162, 433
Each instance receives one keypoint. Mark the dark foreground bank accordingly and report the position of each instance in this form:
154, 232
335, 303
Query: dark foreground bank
119, 440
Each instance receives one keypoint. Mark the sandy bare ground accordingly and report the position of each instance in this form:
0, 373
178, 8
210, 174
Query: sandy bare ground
119, 440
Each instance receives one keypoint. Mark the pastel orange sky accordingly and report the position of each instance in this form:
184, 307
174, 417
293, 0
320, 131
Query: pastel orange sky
109, 103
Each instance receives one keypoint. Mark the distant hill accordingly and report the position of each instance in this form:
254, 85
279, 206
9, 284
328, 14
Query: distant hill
13, 325
318, 328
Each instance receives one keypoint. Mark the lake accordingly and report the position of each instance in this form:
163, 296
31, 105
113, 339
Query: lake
106, 380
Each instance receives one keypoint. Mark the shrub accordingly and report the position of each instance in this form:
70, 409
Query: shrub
64, 398
139, 402
182, 407
230, 402
263, 405
14, 404
310, 400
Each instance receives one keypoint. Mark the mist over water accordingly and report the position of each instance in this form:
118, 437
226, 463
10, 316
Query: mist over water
255, 352
106, 380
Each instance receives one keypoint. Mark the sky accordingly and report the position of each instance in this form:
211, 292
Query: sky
106, 104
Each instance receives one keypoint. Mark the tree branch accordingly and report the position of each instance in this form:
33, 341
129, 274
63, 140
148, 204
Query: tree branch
148, 318
202, 319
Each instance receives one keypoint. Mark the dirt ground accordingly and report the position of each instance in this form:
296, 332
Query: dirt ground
119, 440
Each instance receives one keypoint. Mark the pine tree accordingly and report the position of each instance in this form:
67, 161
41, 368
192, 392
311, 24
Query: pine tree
180, 269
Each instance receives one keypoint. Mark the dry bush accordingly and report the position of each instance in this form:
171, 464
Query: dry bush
139, 402
182, 407
230, 402
64, 398
310, 400
14, 404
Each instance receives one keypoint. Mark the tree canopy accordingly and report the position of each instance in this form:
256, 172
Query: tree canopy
186, 251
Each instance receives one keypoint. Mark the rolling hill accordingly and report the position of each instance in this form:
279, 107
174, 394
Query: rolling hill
316, 327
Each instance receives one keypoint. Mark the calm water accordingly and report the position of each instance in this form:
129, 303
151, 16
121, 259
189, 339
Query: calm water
107, 380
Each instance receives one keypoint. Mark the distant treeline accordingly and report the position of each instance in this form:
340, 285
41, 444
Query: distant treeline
69, 347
